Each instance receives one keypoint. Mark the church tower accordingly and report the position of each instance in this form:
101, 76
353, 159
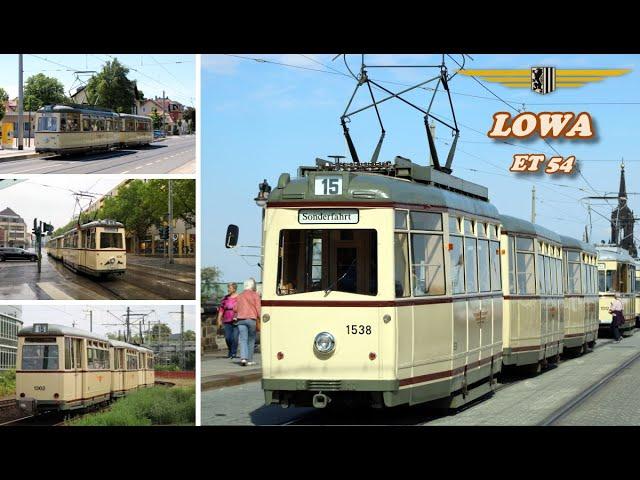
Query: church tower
622, 220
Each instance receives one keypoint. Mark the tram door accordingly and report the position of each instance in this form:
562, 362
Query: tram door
73, 347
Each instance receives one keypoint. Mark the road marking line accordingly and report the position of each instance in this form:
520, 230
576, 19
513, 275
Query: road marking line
39, 168
138, 168
53, 291
126, 171
150, 163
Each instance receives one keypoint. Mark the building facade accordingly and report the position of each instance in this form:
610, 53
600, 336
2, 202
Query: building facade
13, 230
10, 324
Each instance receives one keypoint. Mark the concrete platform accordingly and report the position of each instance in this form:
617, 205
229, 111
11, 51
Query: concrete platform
217, 371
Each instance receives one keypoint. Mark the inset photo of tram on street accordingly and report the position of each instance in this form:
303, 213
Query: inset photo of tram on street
97, 238
81, 365
86, 113
380, 261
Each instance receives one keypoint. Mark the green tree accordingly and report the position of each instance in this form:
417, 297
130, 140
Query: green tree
189, 336
40, 90
156, 118
112, 89
135, 206
159, 332
208, 277
189, 116
4, 97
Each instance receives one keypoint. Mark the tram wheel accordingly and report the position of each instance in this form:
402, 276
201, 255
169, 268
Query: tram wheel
535, 369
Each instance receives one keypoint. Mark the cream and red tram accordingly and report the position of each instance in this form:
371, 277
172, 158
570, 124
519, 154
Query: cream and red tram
580, 294
637, 289
381, 287
68, 129
96, 248
616, 275
64, 368
533, 294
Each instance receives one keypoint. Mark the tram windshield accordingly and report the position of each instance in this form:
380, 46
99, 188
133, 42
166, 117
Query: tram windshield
110, 240
40, 357
340, 260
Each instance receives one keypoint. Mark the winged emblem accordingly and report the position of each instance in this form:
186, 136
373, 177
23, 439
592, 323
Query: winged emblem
545, 80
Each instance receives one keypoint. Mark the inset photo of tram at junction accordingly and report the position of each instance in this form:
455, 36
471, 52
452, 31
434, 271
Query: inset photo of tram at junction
97, 238
377, 260
86, 113
82, 365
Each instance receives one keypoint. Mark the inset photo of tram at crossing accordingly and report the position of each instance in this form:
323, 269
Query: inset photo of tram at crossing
97, 238
380, 260
86, 113
84, 365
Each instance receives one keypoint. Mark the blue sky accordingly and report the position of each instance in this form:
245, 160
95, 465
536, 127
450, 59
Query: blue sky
260, 119
152, 72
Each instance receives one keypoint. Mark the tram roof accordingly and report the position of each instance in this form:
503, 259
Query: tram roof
119, 344
101, 223
612, 253
77, 108
574, 243
435, 189
136, 117
518, 225
55, 330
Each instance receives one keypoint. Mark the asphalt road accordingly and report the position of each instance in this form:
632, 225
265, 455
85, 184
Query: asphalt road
21, 281
172, 155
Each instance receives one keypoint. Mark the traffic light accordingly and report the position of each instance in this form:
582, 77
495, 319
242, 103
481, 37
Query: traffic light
164, 233
47, 228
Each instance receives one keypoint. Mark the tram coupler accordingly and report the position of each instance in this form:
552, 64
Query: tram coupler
320, 400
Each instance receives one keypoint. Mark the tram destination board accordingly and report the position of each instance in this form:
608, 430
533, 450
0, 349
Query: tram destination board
328, 215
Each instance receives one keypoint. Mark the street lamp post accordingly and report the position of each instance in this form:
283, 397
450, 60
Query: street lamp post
264, 189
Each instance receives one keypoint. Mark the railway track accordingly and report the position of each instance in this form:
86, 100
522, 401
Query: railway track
420, 414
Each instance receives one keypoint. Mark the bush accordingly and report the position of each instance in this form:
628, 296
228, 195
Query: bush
7, 383
151, 406
167, 368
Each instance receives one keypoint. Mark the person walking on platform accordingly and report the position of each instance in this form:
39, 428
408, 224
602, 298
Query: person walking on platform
226, 318
248, 313
617, 321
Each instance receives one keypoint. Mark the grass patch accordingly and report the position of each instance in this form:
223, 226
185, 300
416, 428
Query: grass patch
151, 406
7, 383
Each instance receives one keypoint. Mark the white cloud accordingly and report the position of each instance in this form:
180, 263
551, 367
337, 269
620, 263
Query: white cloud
220, 64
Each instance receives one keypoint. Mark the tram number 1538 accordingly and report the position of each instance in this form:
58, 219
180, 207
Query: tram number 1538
359, 329
328, 186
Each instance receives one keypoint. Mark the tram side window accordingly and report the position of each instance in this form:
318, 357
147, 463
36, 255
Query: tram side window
549, 278
427, 264
559, 277
40, 357
456, 255
426, 221
512, 265
525, 272
484, 274
132, 361
470, 264
401, 247
542, 288
97, 359
494, 256
70, 122
86, 124
68, 353
47, 124
342, 260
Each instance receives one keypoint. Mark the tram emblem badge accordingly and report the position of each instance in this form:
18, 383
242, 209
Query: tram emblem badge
543, 79
480, 316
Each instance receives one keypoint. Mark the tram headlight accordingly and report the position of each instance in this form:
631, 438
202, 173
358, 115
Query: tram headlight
112, 260
324, 343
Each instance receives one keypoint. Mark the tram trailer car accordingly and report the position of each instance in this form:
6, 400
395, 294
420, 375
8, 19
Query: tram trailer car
580, 295
637, 288
96, 248
69, 129
533, 294
64, 368
378, 288
616, 274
